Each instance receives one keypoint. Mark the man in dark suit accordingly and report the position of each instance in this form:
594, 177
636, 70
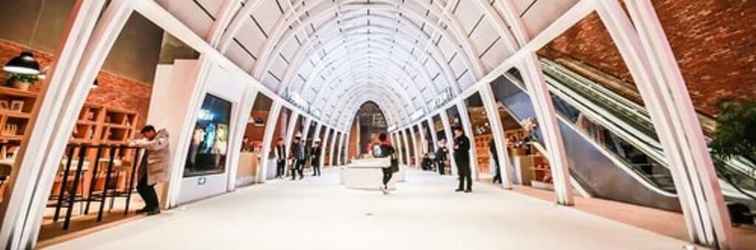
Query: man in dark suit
315, 152
280, 158
462, 158
441, 156
297, 153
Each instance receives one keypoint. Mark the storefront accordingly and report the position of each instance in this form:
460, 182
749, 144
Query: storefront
80, 105
482, 138
251, 157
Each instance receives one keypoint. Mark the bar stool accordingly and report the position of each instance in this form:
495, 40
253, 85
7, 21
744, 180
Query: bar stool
67, 196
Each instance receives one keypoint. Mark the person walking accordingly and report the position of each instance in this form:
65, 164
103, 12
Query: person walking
154, 166
462, 158
495, 156
441, 155
280, 158
383, 150
315, 161
298, 155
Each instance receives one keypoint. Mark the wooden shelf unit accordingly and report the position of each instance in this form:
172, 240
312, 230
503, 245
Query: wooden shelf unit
15, 123
104, 125
483, 152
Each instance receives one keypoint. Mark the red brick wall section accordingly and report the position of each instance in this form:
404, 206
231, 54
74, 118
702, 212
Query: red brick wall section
114, 91
712, 39
121, 93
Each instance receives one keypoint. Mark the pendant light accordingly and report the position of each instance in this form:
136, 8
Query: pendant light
25, 63
22, 64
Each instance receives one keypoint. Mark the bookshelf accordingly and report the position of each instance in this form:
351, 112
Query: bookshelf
104, 125
16, 108
483, 152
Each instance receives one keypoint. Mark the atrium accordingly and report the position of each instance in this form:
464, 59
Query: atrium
378, 124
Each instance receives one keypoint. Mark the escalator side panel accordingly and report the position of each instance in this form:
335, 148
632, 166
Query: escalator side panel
589, 165
606, 180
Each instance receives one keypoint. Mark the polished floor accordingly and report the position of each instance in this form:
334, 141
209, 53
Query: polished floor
318, 213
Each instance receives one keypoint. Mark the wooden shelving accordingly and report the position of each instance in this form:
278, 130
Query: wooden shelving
16, 108
483, 152
104, 125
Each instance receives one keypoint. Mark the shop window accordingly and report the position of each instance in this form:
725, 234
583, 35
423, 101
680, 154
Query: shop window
209, 144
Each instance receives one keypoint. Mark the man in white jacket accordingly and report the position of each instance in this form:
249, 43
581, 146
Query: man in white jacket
154, 166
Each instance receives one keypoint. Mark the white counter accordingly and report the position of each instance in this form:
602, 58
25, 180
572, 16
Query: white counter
367, 174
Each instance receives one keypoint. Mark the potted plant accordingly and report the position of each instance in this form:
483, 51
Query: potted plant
22, 81
735, 137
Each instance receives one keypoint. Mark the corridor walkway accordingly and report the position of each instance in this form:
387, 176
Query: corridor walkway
422, 214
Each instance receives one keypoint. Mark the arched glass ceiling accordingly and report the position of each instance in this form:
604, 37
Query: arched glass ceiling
407, 56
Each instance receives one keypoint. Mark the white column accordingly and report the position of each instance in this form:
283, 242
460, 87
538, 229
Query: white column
323, 148
464, 118
432, 129
343, 148
397, 143
270, 131
316, 134
332, 160
413, 137
421, 133
19, 224
306, 130
237, 137
649, 57
291, 130
549, 127
449, 141
497, 131
405, 138
337, 144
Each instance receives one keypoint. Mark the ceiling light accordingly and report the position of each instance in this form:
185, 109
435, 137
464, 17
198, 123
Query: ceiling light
24, 63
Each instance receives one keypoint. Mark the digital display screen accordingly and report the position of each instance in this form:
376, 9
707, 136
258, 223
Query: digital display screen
209, 142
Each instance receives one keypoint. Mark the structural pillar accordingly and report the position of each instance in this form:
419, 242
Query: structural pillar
464, 118
449, 141
497, 131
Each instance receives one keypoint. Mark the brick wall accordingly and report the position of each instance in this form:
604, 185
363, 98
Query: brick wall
113, 91
712, 40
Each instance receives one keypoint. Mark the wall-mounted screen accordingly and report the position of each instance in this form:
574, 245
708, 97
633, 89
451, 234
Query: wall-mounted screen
209, 144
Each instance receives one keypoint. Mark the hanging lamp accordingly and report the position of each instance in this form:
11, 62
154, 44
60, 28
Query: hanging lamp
24, 63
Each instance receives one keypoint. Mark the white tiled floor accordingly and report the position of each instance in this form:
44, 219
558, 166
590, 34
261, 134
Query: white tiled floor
422, 214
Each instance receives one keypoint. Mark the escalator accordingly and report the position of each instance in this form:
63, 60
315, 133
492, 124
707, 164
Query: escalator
610, 141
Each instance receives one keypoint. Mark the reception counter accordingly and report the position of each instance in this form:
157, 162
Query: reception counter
248, 168
367, 174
